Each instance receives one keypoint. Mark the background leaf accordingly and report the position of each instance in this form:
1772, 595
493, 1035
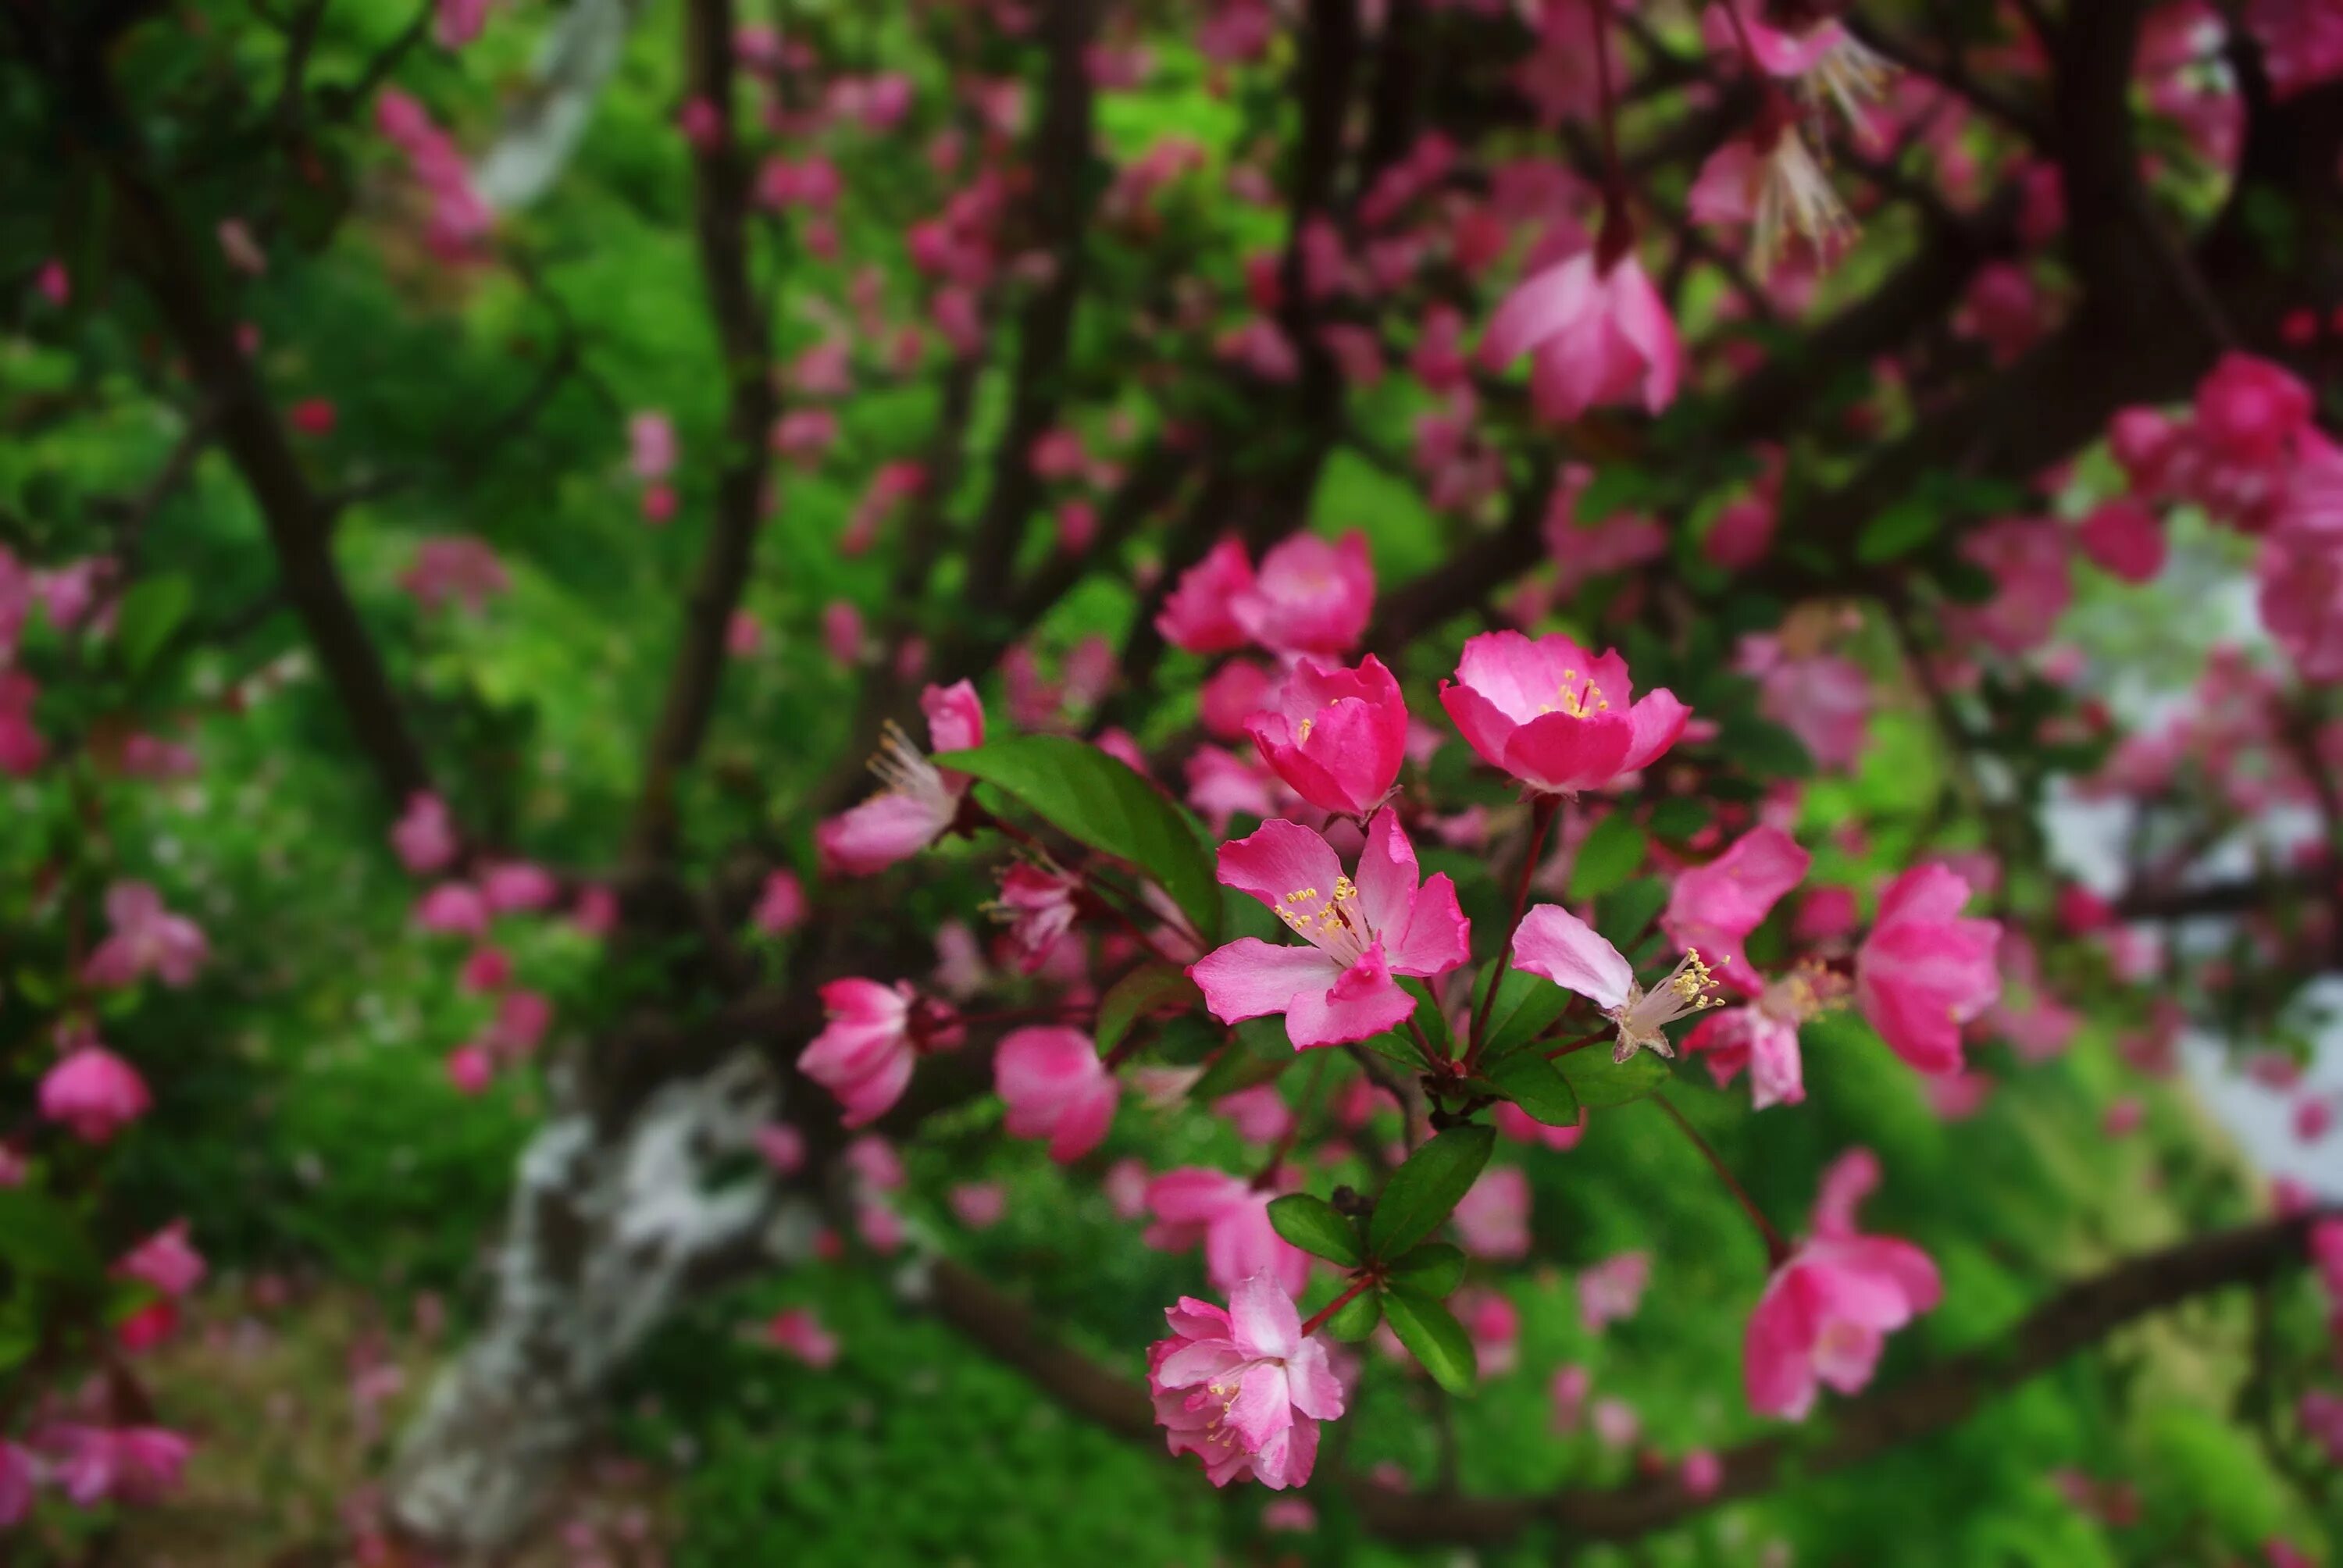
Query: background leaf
1425, 1191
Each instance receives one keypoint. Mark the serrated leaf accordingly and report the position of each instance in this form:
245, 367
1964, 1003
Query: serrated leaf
1537, 1086
1435, 1269
1135, 995
1423, 1194
148, 614
1599, 1082
1434, 1337
1099, 800
1356, 1317
1317, 1227
1606, 857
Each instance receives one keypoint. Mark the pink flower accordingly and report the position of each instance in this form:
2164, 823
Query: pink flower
1196, 614
1309, 597
864, 1054
798, 1332
1494, 1326
1056, 1087
1229, 1218
1492, 1218
1611, 1291
2251, 411
1713, 908
1260, 1114
780, 906
522, 1017
458, 22
1566, 950
1243, 1390
1826, 1312
841, 632
1554, 716
1701, 1472
979, 1205
1823, 699
2124, 540
1230, 695
916, 802
783, 1146
462, 569
164, 1261
513, 886
1567, 1392
471, 1069
94, 1092
1616, 1424
1763, 1036
650, 445
2302, 45
1594, 336
1337, 737
16, 1478
131, 1463
2027, 559
1340, 987
1038, 903
2301, 602
145, 939
1924, 970
425, 837
453, 909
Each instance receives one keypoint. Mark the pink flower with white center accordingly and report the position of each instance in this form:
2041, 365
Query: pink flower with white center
1309, 597
1763, 1036
1595, 335
147, 938
1566, 950
1037, 904
781, 904
1340, 987
1492, 1218
425, 836
917, 802
1229, 1218
1925, 971
164, 1261
18, 1476
1057, 1087
1611, 1291
1244, 1389
1554, 716
1196, 614
94, 1092
1337, 737
798, 1332
129, 1463
1712, 908
1824, 61
864, 1054
1827, 1311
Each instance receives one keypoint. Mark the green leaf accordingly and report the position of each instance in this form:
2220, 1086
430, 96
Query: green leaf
1527, 1004
1135, 995
41, 1238
1435, 1268
1624, 913
1434, 1337
1679, 816
1534, 1084
149, 613
1425, 1191
1099, 800
1606, 857
1356, 1317
1316, 1227
1898, 531
1765, 748
1599, 1082
1431, 1020
1256, 1055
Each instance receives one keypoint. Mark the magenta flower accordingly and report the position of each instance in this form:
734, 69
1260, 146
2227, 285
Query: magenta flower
1828, 1309
1038, 904
425, 836
515, 886
1566, 950
1553, 715
1924, 970
1309, 597
1337, 737
1595, 336
864, 1055
1340, 987
2124, 540
164, 1261
94, 1092
1712, 908
1611, 1291
453, 909
1492, 1218
917, 802
131, 1463
1056, 1087
1243, 1390
781, 904
1229, 1218
17, 1475
147, 938
1196, 614
1763, 1036
798, 1332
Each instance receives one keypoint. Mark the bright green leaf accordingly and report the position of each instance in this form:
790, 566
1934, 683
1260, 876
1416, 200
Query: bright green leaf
1425, 1191
1525, 1005
1356, 1317
1434, 1337
1141, 991
149, 613
1533, 1083
1316, 1227
1598, 1082
1435, 1268
1607, 858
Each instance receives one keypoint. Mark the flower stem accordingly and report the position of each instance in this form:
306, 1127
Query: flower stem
1777, 1250
1293, 1126
1542, 814
1318, 1318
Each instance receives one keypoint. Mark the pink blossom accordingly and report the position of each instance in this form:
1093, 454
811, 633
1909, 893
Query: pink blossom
425, 836
781, 904
979, 1205
1595, 335
1243, 1390
2027, 558
17, 1475
522, 1017
1230, 695
471, 1069
1197, 614
1038, 903
2124, 540
1290, 1516
596, 911
1309, 597
743, 634
783, 1148
864, 1054
129, 1463
1337, 737
841, 632
1554, 716
2302, 46
1553, 942
2251, 411
1260, 1114
458, 22
514, 886
1056, 1086
916, 802
701, 123
1701, 1472
1616, 1424
650, 445
1826, 1312
1567, 1394
94, 1092
55, 282
146, 938
453, 908
1611, 1291
1925, 971
2301, 602
1763, 1036
1492, 1218
1823, 699
1518, 1125
1712, 908
22, 749
1340, 987
1125, 1185
1229, 1218
798, 1332
462, 569
1495, 1325
164, 1261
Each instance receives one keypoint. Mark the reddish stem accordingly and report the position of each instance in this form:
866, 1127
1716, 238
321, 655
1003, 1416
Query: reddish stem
1617, 233
1318, 1318
1542, 815
1596, 1038
1777, 1250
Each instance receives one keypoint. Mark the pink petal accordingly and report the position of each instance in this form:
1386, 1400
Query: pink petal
1566, 950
